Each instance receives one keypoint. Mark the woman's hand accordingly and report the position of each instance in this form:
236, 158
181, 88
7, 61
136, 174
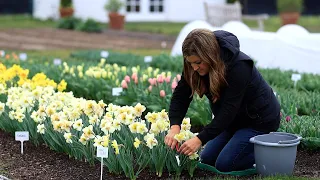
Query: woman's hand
190, 146
169, 139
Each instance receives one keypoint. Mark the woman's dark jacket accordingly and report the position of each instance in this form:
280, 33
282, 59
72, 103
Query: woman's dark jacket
246, 102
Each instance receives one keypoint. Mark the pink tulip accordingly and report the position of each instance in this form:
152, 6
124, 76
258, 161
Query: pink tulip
134, 76
152, 81
127, 78
288, 118
124, 84
168, 79
160, 79
162, 93
136, 80
150, 88
178, 77
174, 84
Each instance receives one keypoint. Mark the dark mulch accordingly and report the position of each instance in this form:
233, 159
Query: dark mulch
42, 163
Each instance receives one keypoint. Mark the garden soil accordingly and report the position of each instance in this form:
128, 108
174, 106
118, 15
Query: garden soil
42, 163
54, 39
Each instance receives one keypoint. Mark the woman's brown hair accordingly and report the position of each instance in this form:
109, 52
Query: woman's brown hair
203, 43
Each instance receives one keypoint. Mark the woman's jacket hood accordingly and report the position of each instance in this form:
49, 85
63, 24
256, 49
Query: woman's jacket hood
229, 47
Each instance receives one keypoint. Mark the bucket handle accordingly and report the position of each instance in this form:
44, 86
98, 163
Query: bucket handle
289, 141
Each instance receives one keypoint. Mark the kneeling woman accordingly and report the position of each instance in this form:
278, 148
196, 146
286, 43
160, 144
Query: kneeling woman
242, 103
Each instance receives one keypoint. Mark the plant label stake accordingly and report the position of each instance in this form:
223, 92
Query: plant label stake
116, 91
22, 136
177, 154
147, 59
57, 62
295, 78
23, 56
104, 54
2, 53
178, 160
103, 153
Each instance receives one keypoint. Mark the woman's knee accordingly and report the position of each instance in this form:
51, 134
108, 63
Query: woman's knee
208, 157
224, 165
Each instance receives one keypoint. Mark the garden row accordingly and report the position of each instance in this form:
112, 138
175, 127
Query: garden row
152, 84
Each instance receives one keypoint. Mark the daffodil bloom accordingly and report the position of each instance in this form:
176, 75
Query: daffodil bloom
83, 139
68, 136
136, 143
66, 125
97, 141
107, 127
88, 132
94, 120
194, 156
139, 109
2, 89
40, 128
164, 115
77, 125
2, 105
115, 146
105, 140
50, 111
150, 140
55, 117
142, 128
180, 137
152, 117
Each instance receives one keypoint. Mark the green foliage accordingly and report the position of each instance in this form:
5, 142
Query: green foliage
290, 6
68, 23
89, 25
166, 62
113, 5
65, 3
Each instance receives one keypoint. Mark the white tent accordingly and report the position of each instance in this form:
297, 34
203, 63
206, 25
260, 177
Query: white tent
290, 48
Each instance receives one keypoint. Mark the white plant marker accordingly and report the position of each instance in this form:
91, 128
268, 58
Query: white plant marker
295, 78
178, 160
116, 91
2, 53
147, 59
104, 54
23, 56
22, 136
103, 153
57, 61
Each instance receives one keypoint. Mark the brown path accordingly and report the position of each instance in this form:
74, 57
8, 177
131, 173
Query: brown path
49, 39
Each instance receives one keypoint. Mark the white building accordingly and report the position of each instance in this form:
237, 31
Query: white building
135, 10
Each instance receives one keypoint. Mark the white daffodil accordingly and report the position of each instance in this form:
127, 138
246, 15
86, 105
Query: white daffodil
151, 141
152, 117
2, 105
194, 156
68, 137
40, 128
88, 132
142, 128
138, 110
77, 125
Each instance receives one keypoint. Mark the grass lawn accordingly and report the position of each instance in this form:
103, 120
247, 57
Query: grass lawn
311, 23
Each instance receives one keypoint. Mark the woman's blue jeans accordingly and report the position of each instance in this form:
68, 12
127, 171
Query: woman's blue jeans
230, 151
